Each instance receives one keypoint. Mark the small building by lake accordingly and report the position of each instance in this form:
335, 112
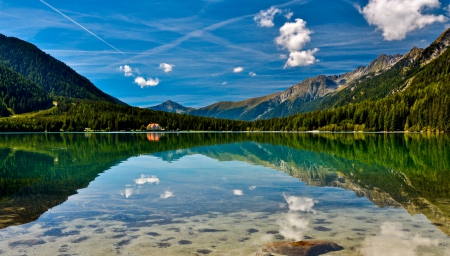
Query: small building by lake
154, 127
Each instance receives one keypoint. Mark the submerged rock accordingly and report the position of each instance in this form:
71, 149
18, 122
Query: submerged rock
299, 248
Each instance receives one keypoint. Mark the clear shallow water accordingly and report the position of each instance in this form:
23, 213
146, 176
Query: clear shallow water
223, 194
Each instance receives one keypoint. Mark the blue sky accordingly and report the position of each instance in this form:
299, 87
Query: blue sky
199, 52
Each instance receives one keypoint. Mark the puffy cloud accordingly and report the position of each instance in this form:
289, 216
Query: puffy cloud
398, 17
126, 70
166, 194
303, 58
144, 83
265, 17
288, 15
293, 37
252, 74
166, 67
238, 69
238, 192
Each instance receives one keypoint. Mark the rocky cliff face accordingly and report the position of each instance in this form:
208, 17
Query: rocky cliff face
383, 62
436, 48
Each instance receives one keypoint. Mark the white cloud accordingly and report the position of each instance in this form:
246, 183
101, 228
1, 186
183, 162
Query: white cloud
303, 58
144, 83
252, 74
447, 9
293, 37
126, 70
265, 17
166, 194
224, 83
288, 15
238, 69
283, 56
238, 192
398, 17
166, 67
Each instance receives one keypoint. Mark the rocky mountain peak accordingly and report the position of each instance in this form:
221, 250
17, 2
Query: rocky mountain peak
444, 38
413, 54
382, 62
436, 48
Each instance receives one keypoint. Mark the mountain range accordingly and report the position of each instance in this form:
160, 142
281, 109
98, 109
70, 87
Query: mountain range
384, 76
392, 93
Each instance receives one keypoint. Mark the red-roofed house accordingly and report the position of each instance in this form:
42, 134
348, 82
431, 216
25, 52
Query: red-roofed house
154, 127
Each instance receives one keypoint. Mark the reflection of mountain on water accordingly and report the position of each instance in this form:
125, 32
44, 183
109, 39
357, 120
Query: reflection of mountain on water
383, 186
40, 171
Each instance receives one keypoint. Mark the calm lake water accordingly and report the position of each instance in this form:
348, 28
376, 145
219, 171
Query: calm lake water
223, 193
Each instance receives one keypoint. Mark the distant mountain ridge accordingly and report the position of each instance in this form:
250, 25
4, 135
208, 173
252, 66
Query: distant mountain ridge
172, 107
287, 102
384, 76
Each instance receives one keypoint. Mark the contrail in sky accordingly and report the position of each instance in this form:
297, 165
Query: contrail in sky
87, 30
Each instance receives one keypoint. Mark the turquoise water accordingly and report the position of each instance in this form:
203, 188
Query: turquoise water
223, 194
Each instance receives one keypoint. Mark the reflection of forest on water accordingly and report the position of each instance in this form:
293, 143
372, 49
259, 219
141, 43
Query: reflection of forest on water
40, 171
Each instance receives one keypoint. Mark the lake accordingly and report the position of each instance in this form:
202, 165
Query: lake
223, 193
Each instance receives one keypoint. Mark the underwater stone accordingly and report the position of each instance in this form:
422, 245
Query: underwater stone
301, 248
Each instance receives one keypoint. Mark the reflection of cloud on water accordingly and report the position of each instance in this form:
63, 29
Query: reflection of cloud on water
304, 204
146, 179
252, 187
394, 240
166, 194
238, 192
292, 225
127, 193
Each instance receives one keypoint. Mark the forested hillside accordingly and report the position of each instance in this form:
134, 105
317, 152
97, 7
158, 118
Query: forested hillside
55, 77
423, 106
20, 95
76, 115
